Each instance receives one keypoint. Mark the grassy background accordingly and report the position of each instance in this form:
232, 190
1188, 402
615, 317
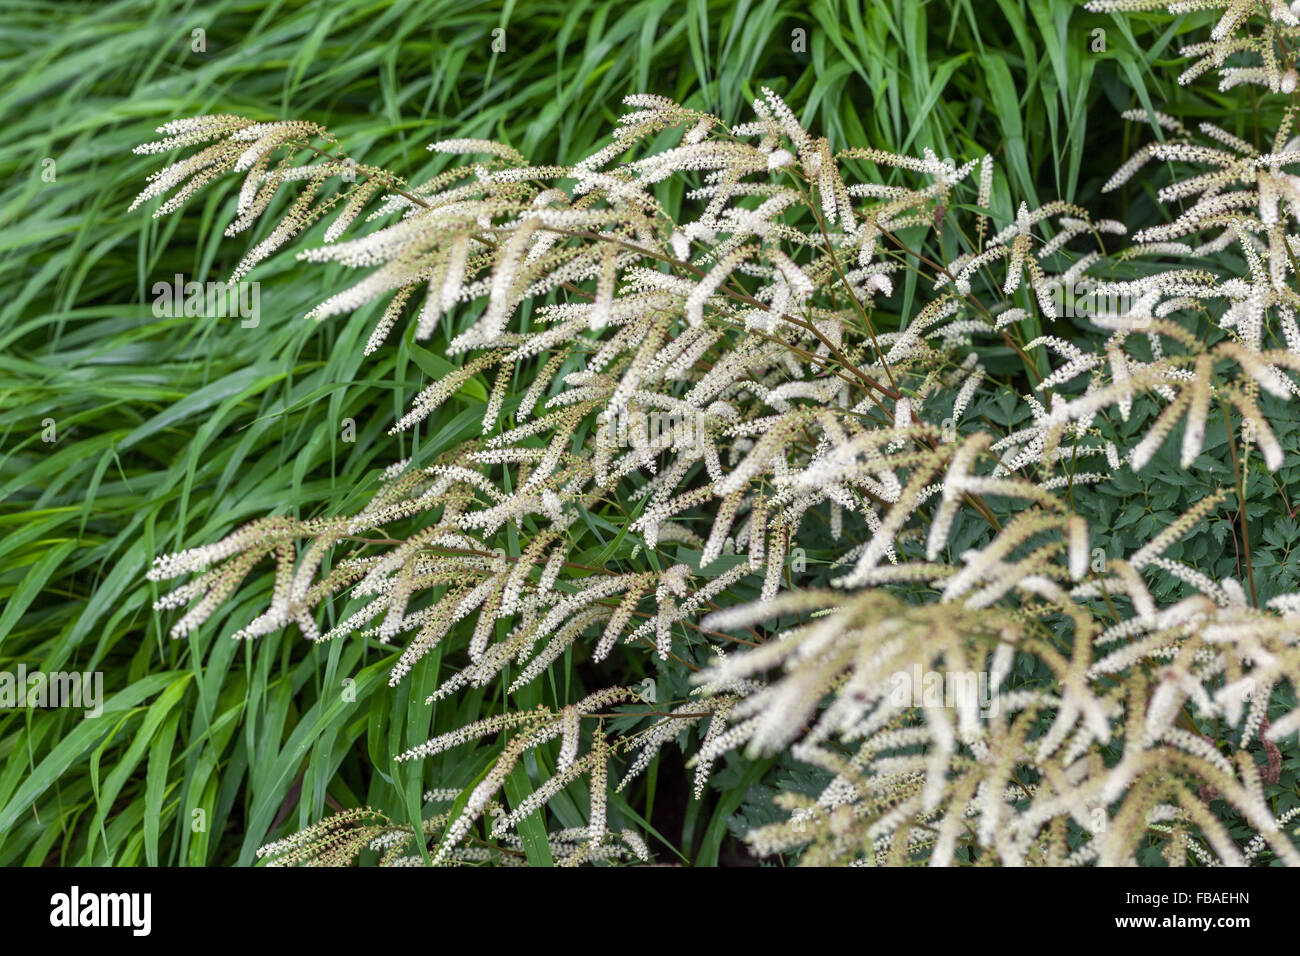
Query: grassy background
169, 432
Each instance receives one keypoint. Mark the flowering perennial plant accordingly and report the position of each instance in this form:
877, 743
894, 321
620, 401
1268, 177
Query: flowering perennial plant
817, 328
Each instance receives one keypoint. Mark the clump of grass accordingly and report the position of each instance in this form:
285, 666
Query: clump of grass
802, 407
168, 433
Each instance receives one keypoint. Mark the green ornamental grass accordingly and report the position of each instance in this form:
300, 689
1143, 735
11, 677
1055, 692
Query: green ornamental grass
725, 374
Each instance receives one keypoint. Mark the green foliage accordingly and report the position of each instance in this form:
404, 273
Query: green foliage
172, 431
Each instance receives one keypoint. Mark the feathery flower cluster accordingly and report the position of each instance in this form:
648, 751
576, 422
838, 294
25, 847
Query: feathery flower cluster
738, 378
